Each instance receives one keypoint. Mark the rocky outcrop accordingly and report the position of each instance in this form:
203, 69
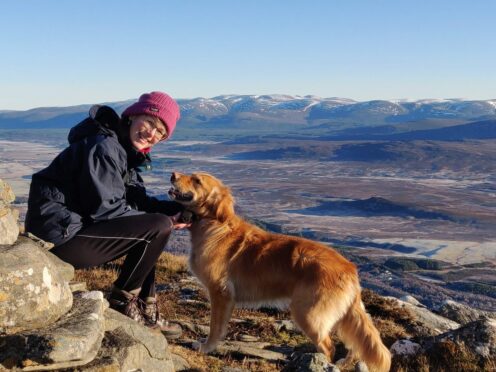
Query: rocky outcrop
34, 290
432, 324
461, 313
45, 326
72, 341
478, 336
470, 347
134, 346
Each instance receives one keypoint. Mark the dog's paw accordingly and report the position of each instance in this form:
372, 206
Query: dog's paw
203, 347
206, 348
196, 345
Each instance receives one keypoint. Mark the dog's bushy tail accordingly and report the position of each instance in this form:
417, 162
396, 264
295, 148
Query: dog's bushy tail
359, 334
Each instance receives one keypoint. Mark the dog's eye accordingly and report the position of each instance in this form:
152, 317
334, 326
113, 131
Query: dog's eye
197, 181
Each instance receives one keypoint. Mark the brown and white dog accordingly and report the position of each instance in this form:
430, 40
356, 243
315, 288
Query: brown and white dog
241, 264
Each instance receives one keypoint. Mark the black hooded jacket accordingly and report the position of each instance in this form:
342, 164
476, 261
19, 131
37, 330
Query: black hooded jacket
94, 179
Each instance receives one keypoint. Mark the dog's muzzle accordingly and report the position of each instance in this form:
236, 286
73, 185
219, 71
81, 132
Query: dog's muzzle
179, 196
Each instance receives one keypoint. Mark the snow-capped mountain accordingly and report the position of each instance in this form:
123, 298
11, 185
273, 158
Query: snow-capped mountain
279, 108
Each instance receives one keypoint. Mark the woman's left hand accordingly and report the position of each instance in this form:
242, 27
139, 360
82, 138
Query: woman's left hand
177, 224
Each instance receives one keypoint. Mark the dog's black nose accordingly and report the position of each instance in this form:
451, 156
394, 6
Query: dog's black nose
173, 177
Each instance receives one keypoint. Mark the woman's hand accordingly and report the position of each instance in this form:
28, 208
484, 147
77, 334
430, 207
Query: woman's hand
178, 223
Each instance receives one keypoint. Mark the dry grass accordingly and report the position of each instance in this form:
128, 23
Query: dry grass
392, 320
170, 266
99, 278
455, 355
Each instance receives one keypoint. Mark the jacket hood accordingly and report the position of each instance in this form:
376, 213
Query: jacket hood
102, 120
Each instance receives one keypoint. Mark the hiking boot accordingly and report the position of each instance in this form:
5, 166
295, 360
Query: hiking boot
126, 303
153, 320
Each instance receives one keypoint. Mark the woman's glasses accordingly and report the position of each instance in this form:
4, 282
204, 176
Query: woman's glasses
158, 133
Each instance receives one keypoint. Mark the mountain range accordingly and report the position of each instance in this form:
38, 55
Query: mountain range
310, 111
303, 116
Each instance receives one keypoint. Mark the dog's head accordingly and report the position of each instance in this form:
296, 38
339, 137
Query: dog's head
203, 194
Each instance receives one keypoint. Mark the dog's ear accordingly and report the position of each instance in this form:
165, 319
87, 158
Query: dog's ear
225, 205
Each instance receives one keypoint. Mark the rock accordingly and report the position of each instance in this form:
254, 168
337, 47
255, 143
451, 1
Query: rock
361, 367
33, 293
479, 336
198, 329
411, 300
233, 369
134, 346
9, 229
247, 338
78, 286
436, 323
461, 313
253, 349
164, 287
188, 292
310, 362
6, 193
72, 341
65, 270
121, 352
285, 325
180, 364
404, 347
43, 244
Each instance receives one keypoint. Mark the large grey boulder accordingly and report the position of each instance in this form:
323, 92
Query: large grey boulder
34, 291
72, 341
129, 346
65, 270
435, 323
462, 314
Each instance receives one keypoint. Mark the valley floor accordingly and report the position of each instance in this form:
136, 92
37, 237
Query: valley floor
441, 207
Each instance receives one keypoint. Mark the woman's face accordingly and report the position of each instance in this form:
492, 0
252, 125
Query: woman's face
146, 131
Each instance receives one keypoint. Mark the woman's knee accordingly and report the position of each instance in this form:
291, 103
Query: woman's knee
160, 223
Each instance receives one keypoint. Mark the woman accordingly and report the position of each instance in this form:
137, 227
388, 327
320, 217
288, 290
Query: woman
92, 204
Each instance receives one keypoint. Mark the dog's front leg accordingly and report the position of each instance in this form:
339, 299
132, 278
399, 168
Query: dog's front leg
222, 305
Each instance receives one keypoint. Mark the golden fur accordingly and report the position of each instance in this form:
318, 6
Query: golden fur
239, 263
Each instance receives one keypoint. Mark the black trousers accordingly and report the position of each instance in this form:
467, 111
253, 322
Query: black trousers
140, 238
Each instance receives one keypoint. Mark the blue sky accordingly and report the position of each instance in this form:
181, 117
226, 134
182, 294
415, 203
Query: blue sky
61, 53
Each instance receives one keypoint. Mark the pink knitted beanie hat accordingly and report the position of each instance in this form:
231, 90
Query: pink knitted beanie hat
157, 104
